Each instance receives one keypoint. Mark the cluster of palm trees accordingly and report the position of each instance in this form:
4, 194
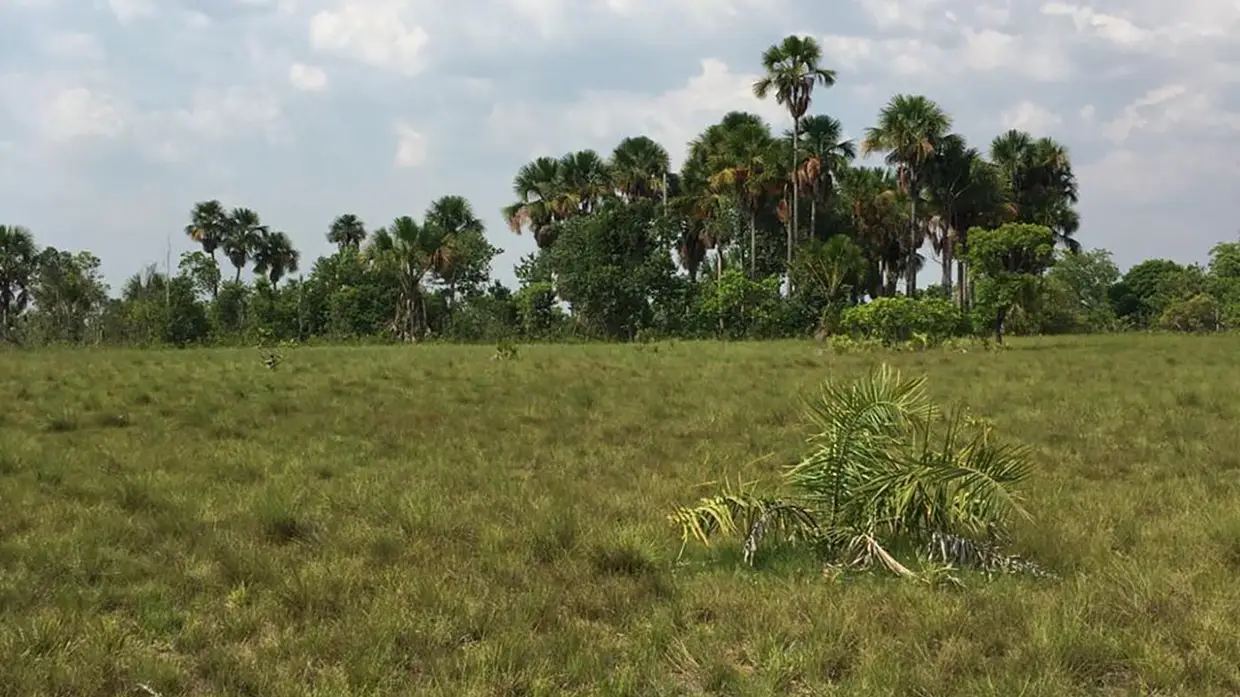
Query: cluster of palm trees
243, 238
742, 180
444, 245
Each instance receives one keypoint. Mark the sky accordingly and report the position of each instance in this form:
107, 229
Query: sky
117, 115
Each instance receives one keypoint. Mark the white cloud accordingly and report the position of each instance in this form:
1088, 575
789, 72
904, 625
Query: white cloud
980, 51
381, 33
72, 45
307, 77
600, 118
410, 147
1028, 116
126, 11
78, 112
1173, 108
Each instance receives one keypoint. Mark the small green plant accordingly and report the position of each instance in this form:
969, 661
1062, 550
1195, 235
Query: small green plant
886, 470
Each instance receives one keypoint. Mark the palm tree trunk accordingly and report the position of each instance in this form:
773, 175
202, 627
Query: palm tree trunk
910, 278
753, 244
813, 217
792, 231
948, 242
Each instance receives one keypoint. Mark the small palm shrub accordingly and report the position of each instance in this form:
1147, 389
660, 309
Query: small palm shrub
886, 472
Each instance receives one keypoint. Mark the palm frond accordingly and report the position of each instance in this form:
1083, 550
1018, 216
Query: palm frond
740, 513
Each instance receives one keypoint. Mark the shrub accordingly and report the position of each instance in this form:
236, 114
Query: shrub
1200, 313
895, 319
885, 472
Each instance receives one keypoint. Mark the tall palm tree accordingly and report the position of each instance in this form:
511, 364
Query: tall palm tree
639, 167
827, 156
241, 237
411, 251
208, 225
710, 213
909, 130
1044, 186
538, 187
947, 178
274, 256
347, 232
792, 71
876, 204
453, 217
585, 181
745, 167
18, 262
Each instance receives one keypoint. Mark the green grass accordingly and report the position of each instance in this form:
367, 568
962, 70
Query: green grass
428, 521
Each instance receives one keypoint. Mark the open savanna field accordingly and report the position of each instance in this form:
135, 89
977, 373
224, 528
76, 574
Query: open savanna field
424, 520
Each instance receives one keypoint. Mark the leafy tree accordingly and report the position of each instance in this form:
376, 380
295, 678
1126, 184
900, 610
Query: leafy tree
18, 264
1150, 286
792, 70
1080, 285
612, 266
1010, 260
202, 271
69, 295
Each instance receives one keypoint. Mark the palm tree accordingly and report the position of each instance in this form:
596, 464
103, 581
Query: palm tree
909, 130
878, 214
18, 262
538, 190
792, 71
411, 251
241, 237
453, 217
275, 256
1043, 184
828, 155
639, 168
744, 167
585, 181
347, 232
947, 178
208, 226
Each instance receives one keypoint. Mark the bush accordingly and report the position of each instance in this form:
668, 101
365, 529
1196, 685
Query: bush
1200, 313
896, 319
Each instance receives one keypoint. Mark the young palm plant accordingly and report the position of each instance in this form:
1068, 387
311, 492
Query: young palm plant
886, 472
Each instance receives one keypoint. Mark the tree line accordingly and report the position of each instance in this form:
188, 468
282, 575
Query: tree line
759, 234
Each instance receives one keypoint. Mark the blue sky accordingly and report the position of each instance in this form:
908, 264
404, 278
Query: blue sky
117, 115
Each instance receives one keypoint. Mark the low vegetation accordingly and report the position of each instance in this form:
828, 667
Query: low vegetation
886, 467
429, 521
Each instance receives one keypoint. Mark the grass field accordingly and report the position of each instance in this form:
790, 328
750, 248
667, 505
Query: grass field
427, 521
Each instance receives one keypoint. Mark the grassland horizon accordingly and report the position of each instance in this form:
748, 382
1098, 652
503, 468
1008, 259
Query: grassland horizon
424, 520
